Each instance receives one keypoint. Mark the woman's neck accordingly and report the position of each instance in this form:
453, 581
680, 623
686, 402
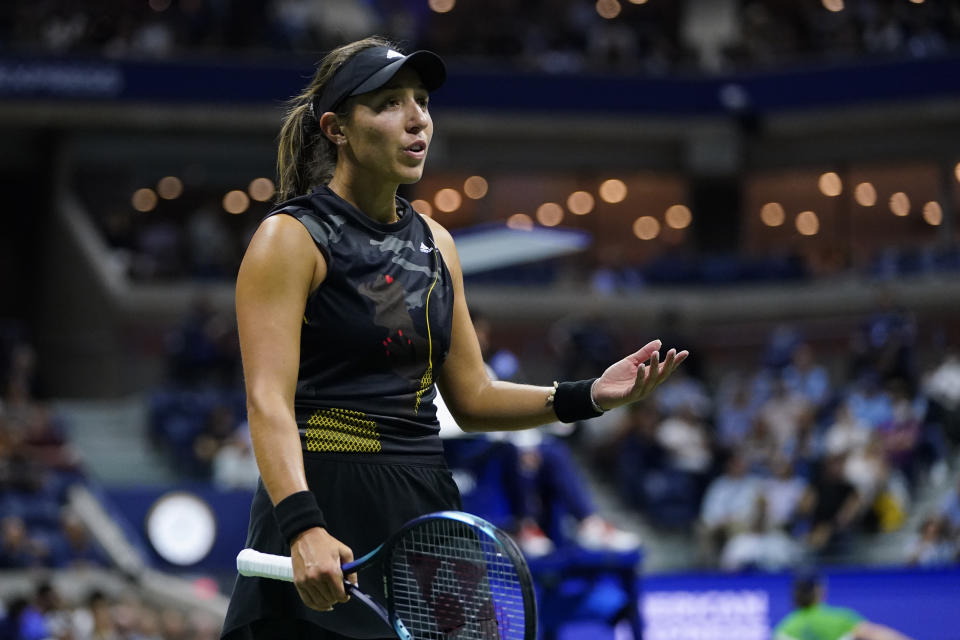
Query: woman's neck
373, 198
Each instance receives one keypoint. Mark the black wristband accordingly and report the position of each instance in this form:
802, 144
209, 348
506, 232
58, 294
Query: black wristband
573, 401
296, 513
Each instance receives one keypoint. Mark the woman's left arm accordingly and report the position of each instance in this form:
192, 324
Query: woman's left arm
481, 404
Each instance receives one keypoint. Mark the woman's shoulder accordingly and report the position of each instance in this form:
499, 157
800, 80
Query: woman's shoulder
281, 233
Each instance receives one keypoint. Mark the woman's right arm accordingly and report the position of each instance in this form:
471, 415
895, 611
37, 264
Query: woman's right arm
282, 265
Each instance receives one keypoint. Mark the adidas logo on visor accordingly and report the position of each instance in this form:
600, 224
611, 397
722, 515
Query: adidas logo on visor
394, 54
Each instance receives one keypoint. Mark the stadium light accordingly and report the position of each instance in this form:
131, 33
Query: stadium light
608, 9
442, 6
933, 214
261, 189
423, 207
678, 217
613, 191
169, 187
646, 227
236, 202
772, 214
830, 184
865, 194
549, 214
447, 200
808, 224
580, 203
900, 204
144, 200
520, 222
475, 187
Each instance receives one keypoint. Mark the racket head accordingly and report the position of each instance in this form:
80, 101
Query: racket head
454, 576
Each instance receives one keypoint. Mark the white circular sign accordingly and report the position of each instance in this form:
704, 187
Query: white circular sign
181, 527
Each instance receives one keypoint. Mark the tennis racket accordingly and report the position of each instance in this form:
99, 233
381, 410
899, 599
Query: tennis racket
447, 576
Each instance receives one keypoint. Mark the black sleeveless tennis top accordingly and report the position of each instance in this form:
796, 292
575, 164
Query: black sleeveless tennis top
375, 332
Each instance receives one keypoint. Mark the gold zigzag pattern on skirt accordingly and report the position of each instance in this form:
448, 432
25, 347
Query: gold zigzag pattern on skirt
342, 430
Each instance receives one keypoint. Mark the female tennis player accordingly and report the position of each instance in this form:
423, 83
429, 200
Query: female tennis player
351, 312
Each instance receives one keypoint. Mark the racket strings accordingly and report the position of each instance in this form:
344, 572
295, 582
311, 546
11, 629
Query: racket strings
453, 582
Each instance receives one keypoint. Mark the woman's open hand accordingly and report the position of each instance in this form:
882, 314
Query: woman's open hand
633, 378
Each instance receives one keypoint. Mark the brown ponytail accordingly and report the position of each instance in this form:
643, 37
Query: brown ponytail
306, 157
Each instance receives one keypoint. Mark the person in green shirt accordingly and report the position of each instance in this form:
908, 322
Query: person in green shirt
812, 619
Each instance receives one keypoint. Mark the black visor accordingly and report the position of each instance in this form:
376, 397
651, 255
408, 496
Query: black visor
371, 69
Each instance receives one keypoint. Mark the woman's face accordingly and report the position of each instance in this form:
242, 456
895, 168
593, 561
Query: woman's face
389, 130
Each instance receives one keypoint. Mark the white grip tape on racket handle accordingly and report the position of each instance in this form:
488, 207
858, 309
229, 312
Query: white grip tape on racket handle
253, 563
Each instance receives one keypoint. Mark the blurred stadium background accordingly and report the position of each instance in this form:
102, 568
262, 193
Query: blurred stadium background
772, 185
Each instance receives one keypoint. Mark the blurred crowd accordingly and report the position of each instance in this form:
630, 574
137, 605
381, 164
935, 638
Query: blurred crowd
40, 532
47, 615
791, 460
198, 417
37, 467
656, 36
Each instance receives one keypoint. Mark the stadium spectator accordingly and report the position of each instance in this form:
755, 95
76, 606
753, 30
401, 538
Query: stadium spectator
74, 547
18, 549
220, 429
783, 493
788, 415
869, 402
942, 387
159, 251
684, 393
234, 466
23, 621
804, 377
866, 469
202, 350
762, 546
884, 348
51, 607
684, 436
634, 451
950, 507
846, 434
760, 446
209, 244
933, 544
902, 435
833, 506
729, 504
735, 413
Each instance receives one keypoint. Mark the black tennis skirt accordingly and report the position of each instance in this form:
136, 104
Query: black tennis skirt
364, 499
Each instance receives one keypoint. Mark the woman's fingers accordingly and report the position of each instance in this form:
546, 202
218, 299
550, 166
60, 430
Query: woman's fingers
650, 380
643, 354
346, 556
680, 358
315, 596
649, 376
